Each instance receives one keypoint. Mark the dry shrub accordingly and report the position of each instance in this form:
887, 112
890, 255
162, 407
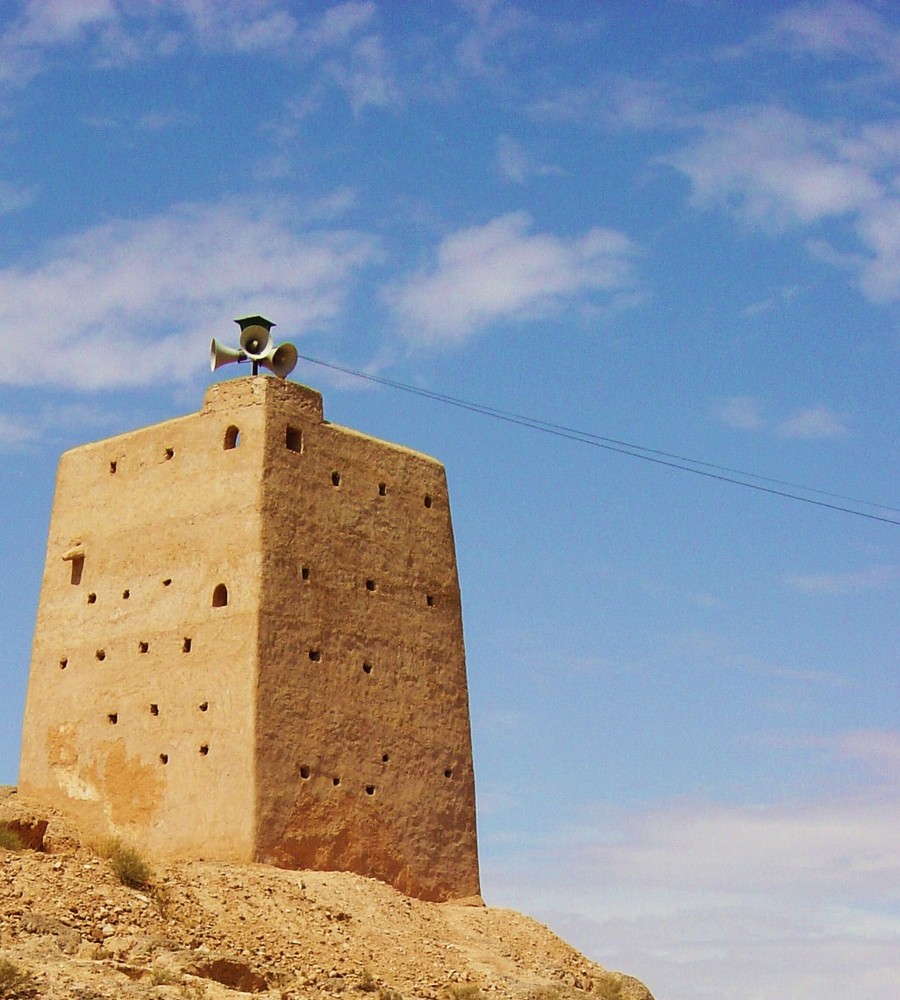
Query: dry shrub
10, 840
129, 866
15, 983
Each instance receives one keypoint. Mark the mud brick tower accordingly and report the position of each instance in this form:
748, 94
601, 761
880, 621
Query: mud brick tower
249, 647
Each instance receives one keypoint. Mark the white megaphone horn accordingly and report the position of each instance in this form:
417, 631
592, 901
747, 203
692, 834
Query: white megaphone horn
282, 360
219, 355
256, 341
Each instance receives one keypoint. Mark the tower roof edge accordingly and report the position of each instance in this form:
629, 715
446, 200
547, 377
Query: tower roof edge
262, 390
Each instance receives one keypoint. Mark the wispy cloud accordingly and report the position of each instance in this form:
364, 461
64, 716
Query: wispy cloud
740, 412
815, 422
710, 901
14, 197
778, 169
837, 28
128, 303
838, 584
502, 271
774, 167
341, 42
749, 413
514, 164
14, 432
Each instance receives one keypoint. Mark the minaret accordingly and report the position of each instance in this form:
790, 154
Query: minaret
249, 647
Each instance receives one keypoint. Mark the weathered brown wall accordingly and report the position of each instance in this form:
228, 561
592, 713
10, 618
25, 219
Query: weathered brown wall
363, 742
335, 733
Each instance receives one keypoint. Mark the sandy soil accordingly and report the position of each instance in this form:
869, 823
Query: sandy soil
201, 929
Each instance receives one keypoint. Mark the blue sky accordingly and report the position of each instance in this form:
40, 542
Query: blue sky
675, 224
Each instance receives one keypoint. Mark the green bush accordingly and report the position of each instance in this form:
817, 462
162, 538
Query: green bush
129, 867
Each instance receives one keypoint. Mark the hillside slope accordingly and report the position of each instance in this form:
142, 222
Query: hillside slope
207, 930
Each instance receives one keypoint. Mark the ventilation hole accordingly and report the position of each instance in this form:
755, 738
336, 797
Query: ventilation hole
186, 645
232, 438
335, 781
126, 594
335, 479
63, 662
154, 709
203, 706
367, 668
429, 600
382, 489
112, 718
448, 772
427, 501
385, 757
77, 570
370, 789
315, 655
371, 586
100, 654
170, 453
167, 582
92, 598
220, 596
293, 439
304, 772
164, 758
204, 749
112, 468
304, 573
143, 647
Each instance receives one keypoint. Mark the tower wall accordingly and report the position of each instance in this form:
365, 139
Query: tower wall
362, 661
317, 715
140, 710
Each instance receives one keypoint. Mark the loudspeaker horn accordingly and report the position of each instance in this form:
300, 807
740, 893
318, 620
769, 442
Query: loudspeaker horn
219, 355
281, 361
256, 342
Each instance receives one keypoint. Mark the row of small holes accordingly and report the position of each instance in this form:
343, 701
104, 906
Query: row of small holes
382, 488
315, 656
168, 454
371, 585
143, 647
370, 789
204, 751
78, 568
219, 598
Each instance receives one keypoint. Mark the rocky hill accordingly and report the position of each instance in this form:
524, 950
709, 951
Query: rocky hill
71, 929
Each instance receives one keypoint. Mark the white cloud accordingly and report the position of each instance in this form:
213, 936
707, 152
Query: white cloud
708, 901
365, 75
15, 432
129, 303
740, 412
774, 167
747, 413
500, 271
514, 164
14, 197
837, 584
838, 27
777, 169
878, 748
814, 422
340, 24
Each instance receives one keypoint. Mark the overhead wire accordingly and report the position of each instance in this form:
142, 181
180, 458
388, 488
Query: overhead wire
710, 470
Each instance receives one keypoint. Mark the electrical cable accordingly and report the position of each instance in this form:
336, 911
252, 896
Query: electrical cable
653, 455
